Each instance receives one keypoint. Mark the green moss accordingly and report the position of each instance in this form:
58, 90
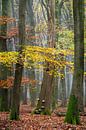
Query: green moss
54, 104
14, 115
3, 107
46, 112
7, 128
36, 111
42, 111
72, 115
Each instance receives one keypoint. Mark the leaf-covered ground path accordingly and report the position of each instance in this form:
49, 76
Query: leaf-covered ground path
37, 122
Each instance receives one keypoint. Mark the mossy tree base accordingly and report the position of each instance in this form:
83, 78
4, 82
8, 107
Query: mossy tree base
42, 111
3, 100
72, 115
14, 114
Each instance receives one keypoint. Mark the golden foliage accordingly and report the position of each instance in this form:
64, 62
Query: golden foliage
10, 80
5, 20
35, 56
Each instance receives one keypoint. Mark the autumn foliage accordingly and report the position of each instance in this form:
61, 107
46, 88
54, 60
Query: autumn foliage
10, 80
6, 19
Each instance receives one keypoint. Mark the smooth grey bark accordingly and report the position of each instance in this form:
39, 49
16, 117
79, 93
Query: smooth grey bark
24, 94
19, 66
55, 93
78, 12
3, 68
76, 98
44, 105
63, 93
31, 73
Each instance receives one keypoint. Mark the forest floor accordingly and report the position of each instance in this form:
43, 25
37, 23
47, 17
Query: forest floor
38, 122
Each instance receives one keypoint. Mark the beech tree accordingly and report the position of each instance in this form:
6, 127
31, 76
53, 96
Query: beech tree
3, 68
45, 97
31, 72
76, 99
19, 66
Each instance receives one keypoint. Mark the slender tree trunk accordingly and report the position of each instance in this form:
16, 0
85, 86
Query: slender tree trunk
85, 91
76, 98
44, 105
63, 85
31, 73
59, 11
4, 70
24, 94
85, 81
19, 66
55, 93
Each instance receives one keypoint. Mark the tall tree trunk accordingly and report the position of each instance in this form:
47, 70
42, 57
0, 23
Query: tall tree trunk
63, 93
31, 73
85, 91
45, 98
4, 70
19, 66
32, 88
55, 93
24, 94
76, 98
